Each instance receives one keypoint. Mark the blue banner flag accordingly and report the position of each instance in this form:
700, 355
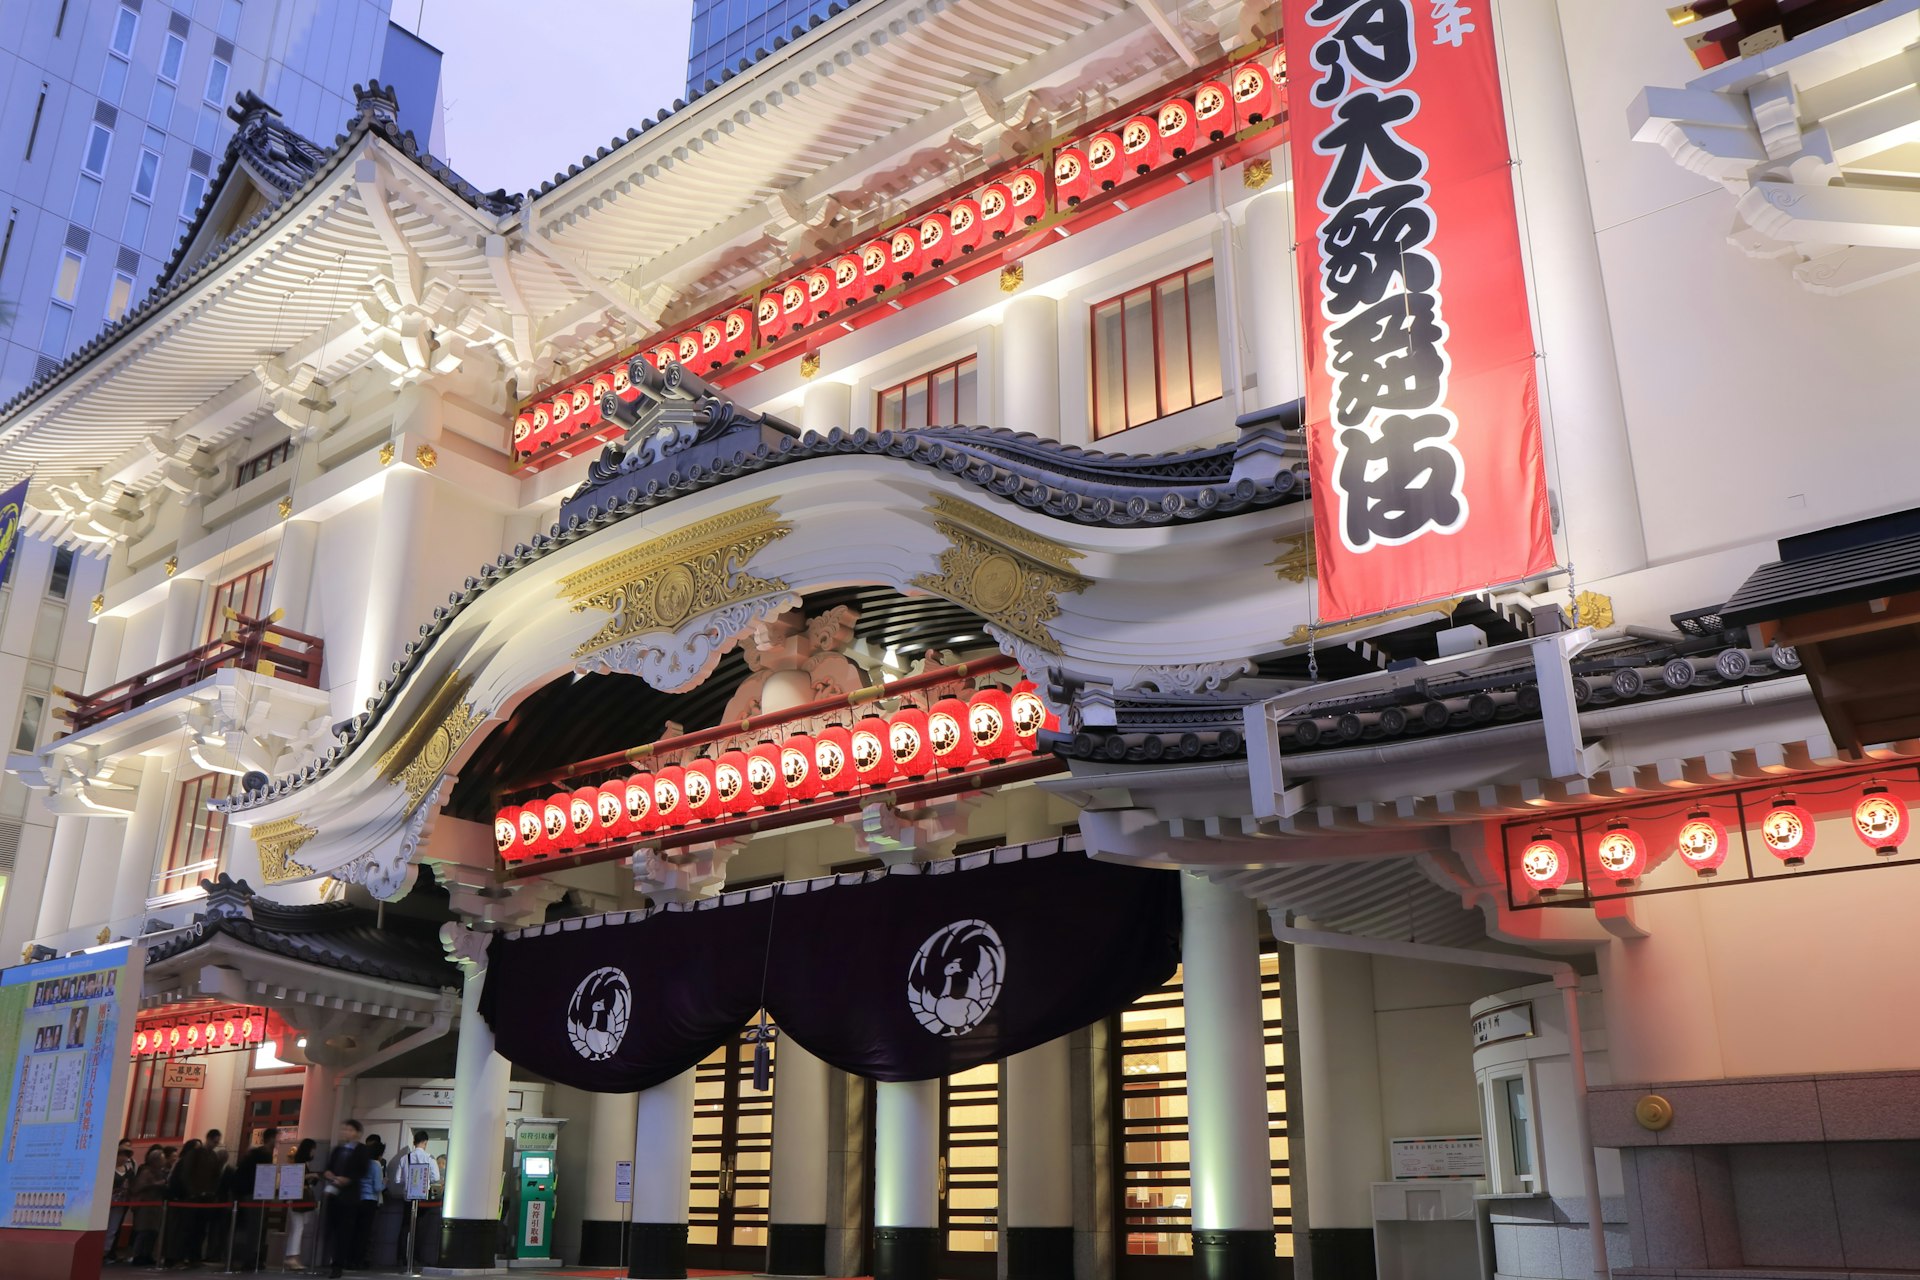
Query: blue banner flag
13, 506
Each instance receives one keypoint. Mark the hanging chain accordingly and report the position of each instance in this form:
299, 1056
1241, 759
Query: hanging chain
1313, 651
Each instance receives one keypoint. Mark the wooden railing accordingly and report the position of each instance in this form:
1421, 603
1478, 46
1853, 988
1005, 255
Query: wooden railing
248, 644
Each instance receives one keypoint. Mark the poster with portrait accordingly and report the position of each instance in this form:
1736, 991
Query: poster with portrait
66, 1036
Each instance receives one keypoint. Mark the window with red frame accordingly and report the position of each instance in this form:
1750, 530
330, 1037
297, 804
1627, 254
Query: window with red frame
154, 1113
938, 398
199, 835
246, 595
1155, 350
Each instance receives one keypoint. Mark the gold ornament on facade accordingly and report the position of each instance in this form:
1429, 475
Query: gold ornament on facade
1653, 1112
1257, 173
98, 603
1295, 563
810, 364
420, 757
1591, 609
1009, 575
286, 507
386, 453
1012, 277
660, 584
1304, 633
426, 457
277, 842
172, 565
105, 935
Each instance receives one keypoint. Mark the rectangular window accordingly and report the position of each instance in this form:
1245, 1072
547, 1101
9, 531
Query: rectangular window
217, 73
229, 24
113, 80
244, 596
146, 174
125, 23
86, 201
66, 282
53, 332
120, 296
134, 230
1519, 1121
33, 130
99, 142
33, 710
155, 1114
160, 110
261, 463
192, 195
199, 835
207, 128
940, 397
1156, 350
171, 56
60, 577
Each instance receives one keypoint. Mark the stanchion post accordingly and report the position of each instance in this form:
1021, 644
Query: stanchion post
233, 1229
160, 1241
260, 1237
413, 1236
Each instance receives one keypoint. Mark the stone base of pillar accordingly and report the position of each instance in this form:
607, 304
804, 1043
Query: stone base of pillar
1039, 1253
469, 1243
1235, 1255
797, 1249
1341, 1253
906, 1253
657, 1250
600, 1242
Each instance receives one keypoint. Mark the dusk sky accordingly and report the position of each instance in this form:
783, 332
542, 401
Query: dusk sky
531, 87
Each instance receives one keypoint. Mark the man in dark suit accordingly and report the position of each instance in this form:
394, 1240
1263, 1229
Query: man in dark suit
340, 1184
247, 1248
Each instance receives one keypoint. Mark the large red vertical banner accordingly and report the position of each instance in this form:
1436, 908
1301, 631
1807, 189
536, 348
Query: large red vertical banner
1423, 416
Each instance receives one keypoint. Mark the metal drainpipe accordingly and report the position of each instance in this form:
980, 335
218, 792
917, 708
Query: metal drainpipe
1564, 977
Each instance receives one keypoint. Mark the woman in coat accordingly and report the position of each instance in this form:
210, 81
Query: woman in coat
149, 1184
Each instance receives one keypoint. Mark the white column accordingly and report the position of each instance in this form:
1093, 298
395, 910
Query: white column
480, 1078
1226, 1062
182, 623
317, 1120
1036, 1186
1270, 291
1341, 1147
293, 572
99, 867
610, 1129
139, 850
662, 1178
63, 875
799, 1196
103, 655
826, 405
1029, 359
907, 1155
400, 540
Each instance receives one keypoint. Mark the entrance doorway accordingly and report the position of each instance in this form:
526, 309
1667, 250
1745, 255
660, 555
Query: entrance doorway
272, 1109
970, 1173
732, 1160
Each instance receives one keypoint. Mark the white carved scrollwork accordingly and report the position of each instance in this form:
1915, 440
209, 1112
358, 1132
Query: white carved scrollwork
677, 662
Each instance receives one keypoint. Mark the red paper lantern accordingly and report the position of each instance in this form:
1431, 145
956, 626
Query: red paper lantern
872, 757
712, 338
669, 797
798, 767
1176, 128
908, 741
665, 354
533, 830
1213, 111
1880, 820
833, 760
846, 280
996, 210
730, 779
559, 824
990, 722
903, 248
935, 233
766, 780
1702, 843
1621, 852
1140, 144
1030, 715
1544, 863
586, 407
768, 315
1029, 194
1103, 160
702, 790
963, 219
229, 1032
1252, 93
610, 811
876, 266
1787, 831
522, 435
139, 1042
638, 794
583, 811
736, 333
541, 436
950, 733
1070, 179
793, 303
506, 834
623, 379
688, 345
819, 282
560, 416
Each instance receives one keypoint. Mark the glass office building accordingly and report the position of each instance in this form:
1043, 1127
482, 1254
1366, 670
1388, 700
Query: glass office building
727, 31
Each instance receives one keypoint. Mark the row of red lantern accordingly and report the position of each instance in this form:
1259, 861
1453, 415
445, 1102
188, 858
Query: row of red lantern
1786, 831
914, 742
229, 1029
573, 412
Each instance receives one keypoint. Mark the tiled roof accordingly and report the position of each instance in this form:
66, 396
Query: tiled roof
1863, 561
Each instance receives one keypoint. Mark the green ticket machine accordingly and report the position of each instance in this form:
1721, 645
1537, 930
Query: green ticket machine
536, 1143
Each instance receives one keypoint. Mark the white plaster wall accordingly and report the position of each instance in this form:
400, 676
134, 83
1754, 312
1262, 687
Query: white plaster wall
1426, 1047
338, 602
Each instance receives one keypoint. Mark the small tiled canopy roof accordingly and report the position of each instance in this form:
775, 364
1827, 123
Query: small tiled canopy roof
1867, 560
333, 935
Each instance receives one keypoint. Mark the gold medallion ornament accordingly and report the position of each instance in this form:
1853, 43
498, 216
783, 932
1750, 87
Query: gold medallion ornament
1012, 277
426, 457
277, 842
660, 584
1295, 562
1653, 1112
98, 603
1593, 609
286, 507
810, 364
1009, 575
1257, 173
420, 757
386, 453
172, 565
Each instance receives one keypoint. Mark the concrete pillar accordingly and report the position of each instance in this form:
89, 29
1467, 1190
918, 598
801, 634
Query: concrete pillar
1029, 361
662, 1177
609, 1137
63, 875
470, 1219
103, 656
826, 405
1226, 1083
292, 583
317, 1120
400, 535
1036, 1183
906, 1194
1580, 391
99, 868
140, 849
1270, 293
183, 621
797, 1241
1340, 1148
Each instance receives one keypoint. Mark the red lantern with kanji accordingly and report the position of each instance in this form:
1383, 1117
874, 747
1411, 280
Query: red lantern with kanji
1621, 852
586, 407
935, 232
610, 812
506, 834
1140, 144
819, 282
703, 796
533, 830
1174, 123
996, 211
665, 354
876, 266
638, 794
903, 248
1103, 161
560, 416
736, 333
622, 375
793, 303
1880, 820
766, 780
833, 760
1070, 178
559, 824
990, 723
688, 345
1544, 864
1213, 111
1029, 194
871, 754
670, 797
583, 813
1252, 93
522, 435
797, 766
1702, 843
908, 741
846, 281
963, 220
949, 734
712, 336
730, 782
1787, 831
768, 314
540, 433
1030, 715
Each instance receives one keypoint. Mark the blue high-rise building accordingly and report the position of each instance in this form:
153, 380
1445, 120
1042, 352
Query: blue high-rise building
727, 31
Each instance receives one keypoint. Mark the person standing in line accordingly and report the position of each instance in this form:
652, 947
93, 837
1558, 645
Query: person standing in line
340, 1187
252, 1242
415, 1165
372, 1183
299, 1220
149, 1185
185, 1225
124, 1170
